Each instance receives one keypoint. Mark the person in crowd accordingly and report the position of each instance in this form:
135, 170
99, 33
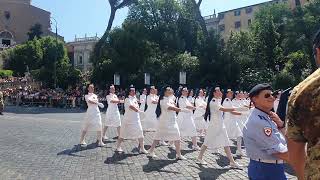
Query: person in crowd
113, 113
150, 121
303, 119
201, 105
217, 135
1, 102
143, 100
92, 117
231, 121
167, 129
131, 127
186, 123
263, 137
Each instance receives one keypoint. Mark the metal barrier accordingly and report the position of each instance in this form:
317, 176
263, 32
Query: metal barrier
55, 102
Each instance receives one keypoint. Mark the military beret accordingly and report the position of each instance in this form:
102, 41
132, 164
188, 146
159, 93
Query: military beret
258, 88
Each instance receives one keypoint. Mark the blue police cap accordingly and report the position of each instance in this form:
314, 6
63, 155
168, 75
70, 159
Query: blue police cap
258, 88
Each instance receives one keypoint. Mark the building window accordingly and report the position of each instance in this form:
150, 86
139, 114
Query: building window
249, 22
237, 13
237, 24
222, 27
6, 42
80, 60
6, 38
249, 10
221, 16
7, 15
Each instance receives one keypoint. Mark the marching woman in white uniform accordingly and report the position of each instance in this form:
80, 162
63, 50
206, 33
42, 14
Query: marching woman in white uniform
142, 100
186, 123
276, 102
92, 118
191, 98
131, 125
217, 135
143, 104
238, 102
150, 121
167, 129
201, 105
230, 120
113, 114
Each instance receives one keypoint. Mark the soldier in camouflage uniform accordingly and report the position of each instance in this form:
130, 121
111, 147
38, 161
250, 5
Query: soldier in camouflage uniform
303, 119
1, 102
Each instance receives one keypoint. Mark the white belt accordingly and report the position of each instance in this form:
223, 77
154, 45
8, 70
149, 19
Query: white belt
269, 161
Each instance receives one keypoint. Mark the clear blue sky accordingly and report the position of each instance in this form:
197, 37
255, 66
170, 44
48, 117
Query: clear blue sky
80, 17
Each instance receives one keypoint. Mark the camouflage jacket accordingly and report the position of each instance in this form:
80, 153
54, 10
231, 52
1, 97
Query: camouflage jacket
303, 119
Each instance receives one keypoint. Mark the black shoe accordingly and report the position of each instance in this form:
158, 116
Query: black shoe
1, 113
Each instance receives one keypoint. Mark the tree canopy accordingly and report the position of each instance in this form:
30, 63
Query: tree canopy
39, 56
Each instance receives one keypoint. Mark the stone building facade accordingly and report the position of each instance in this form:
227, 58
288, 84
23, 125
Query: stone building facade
79, 52
16, 19
240, 19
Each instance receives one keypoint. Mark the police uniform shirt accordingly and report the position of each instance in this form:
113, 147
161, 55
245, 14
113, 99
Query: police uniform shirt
262, 137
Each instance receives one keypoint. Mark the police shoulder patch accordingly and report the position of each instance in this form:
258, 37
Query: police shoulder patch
267, 131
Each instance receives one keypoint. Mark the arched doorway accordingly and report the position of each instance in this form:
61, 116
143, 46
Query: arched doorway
6, 38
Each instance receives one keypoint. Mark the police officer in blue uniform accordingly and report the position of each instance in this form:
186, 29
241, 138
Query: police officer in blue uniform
263, 137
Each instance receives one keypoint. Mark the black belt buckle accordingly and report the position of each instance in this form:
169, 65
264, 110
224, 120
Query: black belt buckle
276, 161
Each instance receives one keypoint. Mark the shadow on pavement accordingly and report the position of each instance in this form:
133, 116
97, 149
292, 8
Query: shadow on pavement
158, 165
207, 173
77, 148
172, 153
117, 157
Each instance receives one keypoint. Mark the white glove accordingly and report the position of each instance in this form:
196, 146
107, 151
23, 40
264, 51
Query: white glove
241, 109
185, 110
100, 105
142, 114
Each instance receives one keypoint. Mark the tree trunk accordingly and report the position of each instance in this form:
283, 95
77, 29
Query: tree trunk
103, 39
111, 19
200, 18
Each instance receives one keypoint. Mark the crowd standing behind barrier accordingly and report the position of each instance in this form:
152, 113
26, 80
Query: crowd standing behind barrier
73, 98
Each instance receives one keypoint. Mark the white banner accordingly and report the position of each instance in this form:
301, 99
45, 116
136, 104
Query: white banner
116, 79
146, 78
183, 78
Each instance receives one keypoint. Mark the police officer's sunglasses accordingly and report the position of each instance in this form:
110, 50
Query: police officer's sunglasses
268, 95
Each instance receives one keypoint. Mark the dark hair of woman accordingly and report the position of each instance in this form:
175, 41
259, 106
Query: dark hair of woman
197, 95
145, 102
128, 91
207, 115
225, 96
191, 90
87, 88
179, 95
162, 92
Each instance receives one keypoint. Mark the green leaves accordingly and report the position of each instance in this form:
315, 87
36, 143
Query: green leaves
163, 37
6, 73
40, 55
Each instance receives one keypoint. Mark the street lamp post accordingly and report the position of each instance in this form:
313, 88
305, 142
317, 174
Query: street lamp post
56, 58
